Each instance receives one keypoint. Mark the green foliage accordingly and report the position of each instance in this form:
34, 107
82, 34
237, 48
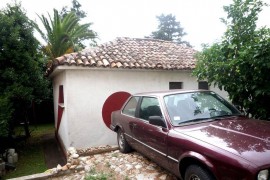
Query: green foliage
169, 29
6, 112
21, 75
240, 63
63, 34
76, 8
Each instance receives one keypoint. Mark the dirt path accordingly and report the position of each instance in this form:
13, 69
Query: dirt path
52, 152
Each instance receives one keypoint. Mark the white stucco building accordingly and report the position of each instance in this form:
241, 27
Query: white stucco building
83, 81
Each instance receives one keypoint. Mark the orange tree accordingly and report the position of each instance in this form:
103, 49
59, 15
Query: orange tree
240, 63
21, 69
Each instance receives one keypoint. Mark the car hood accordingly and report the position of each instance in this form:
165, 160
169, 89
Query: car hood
244, 137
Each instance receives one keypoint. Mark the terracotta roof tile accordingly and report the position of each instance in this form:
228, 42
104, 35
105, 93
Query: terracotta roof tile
131, 53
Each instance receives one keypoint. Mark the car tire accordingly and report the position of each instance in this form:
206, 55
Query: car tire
195, 172
123, 145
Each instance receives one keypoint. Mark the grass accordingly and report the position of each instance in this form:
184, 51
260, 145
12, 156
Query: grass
31, 156
94, 175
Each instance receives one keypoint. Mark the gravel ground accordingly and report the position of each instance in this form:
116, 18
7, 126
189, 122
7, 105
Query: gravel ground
118, 166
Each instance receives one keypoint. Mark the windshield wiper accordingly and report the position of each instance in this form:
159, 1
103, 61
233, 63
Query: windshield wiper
225, 115
195, 120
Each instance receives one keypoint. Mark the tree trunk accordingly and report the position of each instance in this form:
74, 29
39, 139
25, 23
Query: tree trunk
26, 126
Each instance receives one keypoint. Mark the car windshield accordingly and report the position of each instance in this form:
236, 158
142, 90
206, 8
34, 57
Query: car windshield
197, 106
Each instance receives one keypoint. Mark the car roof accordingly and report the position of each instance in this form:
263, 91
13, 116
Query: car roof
168, 92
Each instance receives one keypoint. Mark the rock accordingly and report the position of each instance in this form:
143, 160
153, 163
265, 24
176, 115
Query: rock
140, 176
75, 162
69, 160
59, 167
129, 166
87, 168
71, 150
118, 169
163, 177
68, 165
53, 171
150, 168
79, 167
138, 166
74, 156
84, 159
64, 168
72, 166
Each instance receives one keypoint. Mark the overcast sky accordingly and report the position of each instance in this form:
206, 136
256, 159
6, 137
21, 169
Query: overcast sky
137, 18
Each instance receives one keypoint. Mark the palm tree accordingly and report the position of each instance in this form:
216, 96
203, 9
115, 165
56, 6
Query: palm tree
63, 34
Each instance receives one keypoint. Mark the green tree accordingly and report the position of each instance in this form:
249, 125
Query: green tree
21, 74
63, 34
76, 8
169, 30
240, 63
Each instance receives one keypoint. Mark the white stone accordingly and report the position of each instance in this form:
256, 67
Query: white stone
140, 177
84, 159
73, 166
72, 150
129, 166
64, 168
75, 156
59, 167
118, 169
53, 170
68, 165
87, 168
163, 177
138, 166
150, 168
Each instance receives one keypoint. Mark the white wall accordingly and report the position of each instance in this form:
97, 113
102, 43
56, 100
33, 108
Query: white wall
63, 132
86, 90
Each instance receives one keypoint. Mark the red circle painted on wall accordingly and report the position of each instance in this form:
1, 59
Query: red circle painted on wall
113, 103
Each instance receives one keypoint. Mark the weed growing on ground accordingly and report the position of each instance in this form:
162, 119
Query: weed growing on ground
94, 175
115, 155
108, 164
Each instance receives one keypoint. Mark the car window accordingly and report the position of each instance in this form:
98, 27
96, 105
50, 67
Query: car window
188, 107
149, 107
130, 107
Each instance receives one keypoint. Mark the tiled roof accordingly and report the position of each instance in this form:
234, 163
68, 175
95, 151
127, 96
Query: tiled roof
131, 53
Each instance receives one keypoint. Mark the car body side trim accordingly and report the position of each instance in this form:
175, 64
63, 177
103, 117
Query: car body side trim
173, 159
163, 154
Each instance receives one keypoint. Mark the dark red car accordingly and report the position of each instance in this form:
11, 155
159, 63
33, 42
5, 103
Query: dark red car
195, 135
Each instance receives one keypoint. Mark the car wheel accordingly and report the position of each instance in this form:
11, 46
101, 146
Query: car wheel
195, 172
124, 147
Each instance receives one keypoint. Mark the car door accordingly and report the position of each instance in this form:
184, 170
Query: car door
151, 139
128, 115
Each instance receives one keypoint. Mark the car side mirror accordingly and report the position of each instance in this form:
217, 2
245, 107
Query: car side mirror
157, 120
